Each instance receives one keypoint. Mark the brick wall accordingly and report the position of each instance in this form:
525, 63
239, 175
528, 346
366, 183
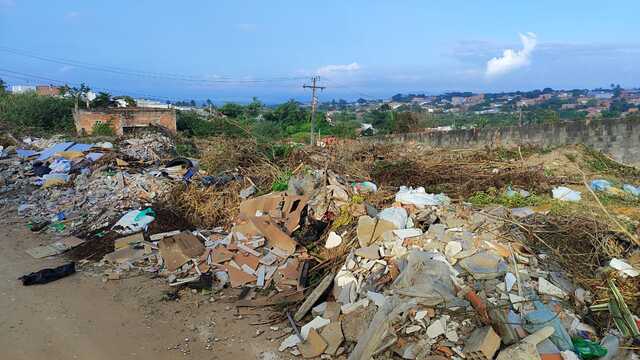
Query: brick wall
85, 121
618, 138
122, 119
46, 90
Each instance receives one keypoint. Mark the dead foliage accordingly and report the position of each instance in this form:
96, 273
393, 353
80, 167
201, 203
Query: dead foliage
582, 245
206, 207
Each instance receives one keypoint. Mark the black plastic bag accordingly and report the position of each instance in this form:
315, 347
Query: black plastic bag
48, 275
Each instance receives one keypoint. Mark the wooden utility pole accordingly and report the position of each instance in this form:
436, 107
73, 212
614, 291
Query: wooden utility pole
314, 105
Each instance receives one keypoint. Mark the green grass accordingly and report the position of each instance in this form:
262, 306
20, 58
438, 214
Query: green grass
102, 129
598, 162
492, 197
281, 183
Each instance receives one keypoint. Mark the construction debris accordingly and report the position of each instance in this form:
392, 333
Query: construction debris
368, 271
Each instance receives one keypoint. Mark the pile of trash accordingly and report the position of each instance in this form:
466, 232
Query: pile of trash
360, 274
75, 188
419, 278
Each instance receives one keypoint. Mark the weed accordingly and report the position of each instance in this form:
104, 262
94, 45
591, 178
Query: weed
186, 149
103, 129
598, 162
482, 198
281, 183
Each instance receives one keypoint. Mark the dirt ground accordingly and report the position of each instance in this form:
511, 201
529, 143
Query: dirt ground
83, 317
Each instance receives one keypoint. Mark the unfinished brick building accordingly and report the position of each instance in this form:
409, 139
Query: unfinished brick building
121, 119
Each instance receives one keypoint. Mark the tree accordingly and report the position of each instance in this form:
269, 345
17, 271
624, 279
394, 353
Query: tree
3, 88
102, 100
254, 107
77, 93
192, 103
232, 110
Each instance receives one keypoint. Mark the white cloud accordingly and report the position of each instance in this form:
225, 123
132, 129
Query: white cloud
335, 69
512, 59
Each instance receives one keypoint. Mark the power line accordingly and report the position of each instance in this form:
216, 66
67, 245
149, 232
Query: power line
29, 77
139, 73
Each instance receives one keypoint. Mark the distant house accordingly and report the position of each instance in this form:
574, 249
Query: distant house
121, 119
152, 104
48, 90
457, 100
21, 89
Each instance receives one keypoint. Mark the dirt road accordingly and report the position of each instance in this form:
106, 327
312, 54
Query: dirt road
82, 317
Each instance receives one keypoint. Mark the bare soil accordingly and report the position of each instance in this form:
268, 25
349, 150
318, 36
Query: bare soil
84, 317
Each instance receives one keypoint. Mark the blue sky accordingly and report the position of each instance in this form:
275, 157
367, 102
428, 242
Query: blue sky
233, 50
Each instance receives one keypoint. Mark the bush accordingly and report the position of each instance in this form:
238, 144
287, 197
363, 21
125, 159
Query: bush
37, 115
103, 129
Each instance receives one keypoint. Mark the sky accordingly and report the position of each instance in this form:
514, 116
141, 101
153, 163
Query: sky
232, 50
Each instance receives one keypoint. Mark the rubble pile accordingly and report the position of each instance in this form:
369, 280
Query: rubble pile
360, 272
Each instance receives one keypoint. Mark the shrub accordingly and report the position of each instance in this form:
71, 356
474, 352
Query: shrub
37, 115
103, 129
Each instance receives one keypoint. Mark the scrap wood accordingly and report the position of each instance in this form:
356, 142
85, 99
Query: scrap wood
314, 296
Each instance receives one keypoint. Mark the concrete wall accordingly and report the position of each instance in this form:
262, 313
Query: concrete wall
618, 138
123, 118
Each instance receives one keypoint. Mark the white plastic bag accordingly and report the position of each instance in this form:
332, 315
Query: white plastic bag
420, 198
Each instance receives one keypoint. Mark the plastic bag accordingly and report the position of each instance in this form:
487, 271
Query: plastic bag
420, 198
427, 278
365, 187
60, 166
600, 185
588, 349
633, 190
134, 221
566, 194
397, 216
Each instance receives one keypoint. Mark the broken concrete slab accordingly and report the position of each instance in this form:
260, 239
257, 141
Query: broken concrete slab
547, 288
313, 346
484, 265
178, 249
55, 248
437, 328
331, 311
357, 322
482, 344
333, 240
369, 252
274, 235
130, 240
238, 277
332, 335
370, 230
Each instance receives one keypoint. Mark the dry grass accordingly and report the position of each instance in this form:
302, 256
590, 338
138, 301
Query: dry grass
207, 207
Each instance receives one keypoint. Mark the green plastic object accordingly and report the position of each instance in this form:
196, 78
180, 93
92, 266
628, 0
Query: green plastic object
588, 349
58, 226
143, 213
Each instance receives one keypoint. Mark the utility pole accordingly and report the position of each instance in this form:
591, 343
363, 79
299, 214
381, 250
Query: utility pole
314, 105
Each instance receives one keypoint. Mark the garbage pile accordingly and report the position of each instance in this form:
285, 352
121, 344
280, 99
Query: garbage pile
419, 278
70, 188
361, 273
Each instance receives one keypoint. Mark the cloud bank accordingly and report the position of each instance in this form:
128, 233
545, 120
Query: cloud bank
336, 69
512, 59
